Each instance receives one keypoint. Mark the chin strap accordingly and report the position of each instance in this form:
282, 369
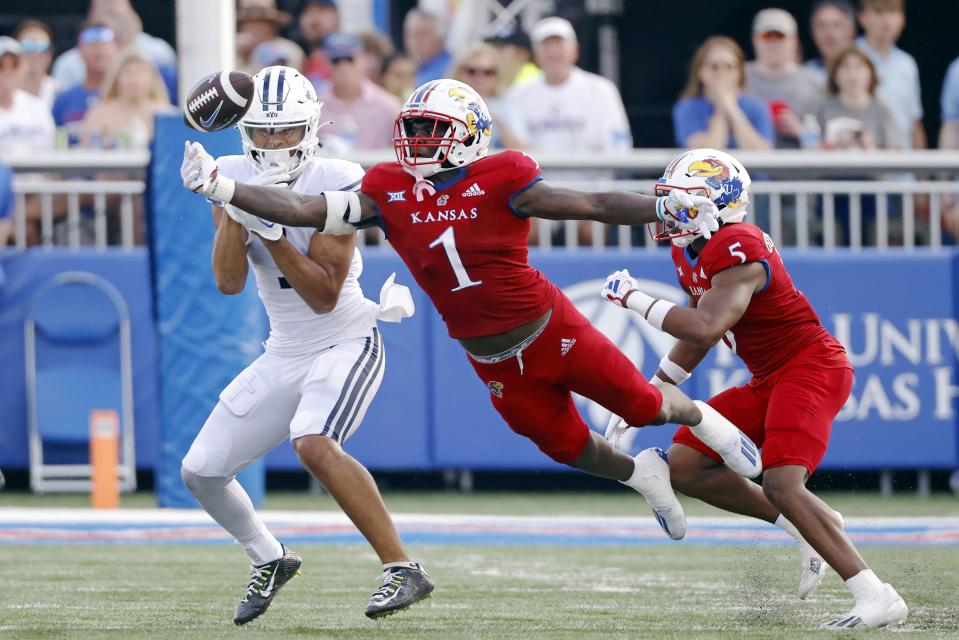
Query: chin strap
421, 185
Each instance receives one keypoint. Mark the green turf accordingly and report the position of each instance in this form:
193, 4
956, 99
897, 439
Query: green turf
662, 592
611, 503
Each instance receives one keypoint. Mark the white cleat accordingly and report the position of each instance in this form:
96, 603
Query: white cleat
737, 450
887, 607
814, 568
652, 481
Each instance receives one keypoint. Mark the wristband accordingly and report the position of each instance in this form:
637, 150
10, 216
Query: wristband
222, 189
661, 208
674, 371
653, 309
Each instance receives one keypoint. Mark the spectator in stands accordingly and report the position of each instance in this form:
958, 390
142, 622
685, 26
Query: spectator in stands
362, 112
316, 20
883, 22
36, 44
477, 66
279, 51
97, 45
376, 47
568, 110
792, 92
423, 39
6, 208
949, 139
852, 116
713, 111
398, 74
257, 21
133, 94
120, 16
833, 25
515, 55
25, 121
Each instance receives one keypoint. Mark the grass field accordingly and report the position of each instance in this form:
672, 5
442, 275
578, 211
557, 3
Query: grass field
498, 592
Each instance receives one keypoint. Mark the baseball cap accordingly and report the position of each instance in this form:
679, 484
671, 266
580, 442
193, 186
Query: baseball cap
778, 20
342, 45
552, 27
510, 34
9, 45
277, 51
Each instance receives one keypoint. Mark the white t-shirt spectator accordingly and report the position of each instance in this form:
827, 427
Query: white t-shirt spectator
26, 126
898, 87
583, 115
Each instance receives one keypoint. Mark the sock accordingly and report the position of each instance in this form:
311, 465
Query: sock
634, 481
406, 564
228, 503
714, 430
788, 527
864, 585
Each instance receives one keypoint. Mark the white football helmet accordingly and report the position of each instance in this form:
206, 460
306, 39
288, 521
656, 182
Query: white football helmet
453, 129
704, 172
284, 102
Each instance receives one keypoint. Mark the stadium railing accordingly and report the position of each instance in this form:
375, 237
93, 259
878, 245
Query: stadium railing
68, 173
798, 193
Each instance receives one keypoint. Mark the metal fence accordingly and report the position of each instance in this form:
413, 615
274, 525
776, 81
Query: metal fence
802, 198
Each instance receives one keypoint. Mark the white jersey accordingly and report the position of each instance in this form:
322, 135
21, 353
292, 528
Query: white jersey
294, 327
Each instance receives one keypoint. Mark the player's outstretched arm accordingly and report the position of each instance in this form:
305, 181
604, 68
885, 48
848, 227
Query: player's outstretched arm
678, 364
332, 212
680, 209
719, 309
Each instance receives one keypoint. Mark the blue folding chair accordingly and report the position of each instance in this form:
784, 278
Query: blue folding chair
77, 344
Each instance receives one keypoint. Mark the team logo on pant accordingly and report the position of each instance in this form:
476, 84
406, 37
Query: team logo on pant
496, 388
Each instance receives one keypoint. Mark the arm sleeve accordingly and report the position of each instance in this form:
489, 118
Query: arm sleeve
949, 99
733, 249
524, 172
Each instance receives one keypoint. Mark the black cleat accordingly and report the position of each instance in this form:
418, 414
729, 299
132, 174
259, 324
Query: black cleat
402, 587
265, 581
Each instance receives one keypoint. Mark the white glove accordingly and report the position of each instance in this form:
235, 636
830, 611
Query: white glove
689, 213
275, 177
619, 284
616, 430
198, 170
396, 301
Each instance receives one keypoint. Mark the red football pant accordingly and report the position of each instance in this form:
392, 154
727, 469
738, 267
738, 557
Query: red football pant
787, 414
569, 356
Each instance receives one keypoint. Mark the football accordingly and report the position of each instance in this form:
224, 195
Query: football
218, 100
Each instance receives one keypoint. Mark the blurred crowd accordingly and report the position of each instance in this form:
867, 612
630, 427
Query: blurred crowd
857, 92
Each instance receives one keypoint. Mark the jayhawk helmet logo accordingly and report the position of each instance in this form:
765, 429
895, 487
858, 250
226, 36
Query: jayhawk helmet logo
478, 121
726, 190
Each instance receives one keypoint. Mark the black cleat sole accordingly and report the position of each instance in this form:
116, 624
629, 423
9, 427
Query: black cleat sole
388, 612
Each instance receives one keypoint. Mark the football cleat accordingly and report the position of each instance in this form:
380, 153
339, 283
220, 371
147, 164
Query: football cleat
737, 450
887, 607
402, 587
265, 581
652, 481
814, 568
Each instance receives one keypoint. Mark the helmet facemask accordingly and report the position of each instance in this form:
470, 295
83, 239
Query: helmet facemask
425, 140
276, 146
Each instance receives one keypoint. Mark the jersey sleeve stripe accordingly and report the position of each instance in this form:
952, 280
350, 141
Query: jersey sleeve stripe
515, 195
769, 276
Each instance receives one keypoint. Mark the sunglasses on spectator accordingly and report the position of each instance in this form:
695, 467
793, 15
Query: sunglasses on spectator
97, 34
34, 46
772, 36
336, 61
481, 71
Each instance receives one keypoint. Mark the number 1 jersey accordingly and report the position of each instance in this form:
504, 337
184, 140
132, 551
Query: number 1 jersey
465, 245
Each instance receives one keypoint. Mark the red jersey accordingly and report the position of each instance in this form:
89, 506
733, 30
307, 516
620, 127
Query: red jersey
465, 245
779, 320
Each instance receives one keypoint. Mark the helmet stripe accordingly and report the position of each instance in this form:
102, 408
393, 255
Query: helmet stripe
265, 94
279, 88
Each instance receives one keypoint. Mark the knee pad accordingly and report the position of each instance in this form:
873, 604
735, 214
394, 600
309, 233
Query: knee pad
198, 484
